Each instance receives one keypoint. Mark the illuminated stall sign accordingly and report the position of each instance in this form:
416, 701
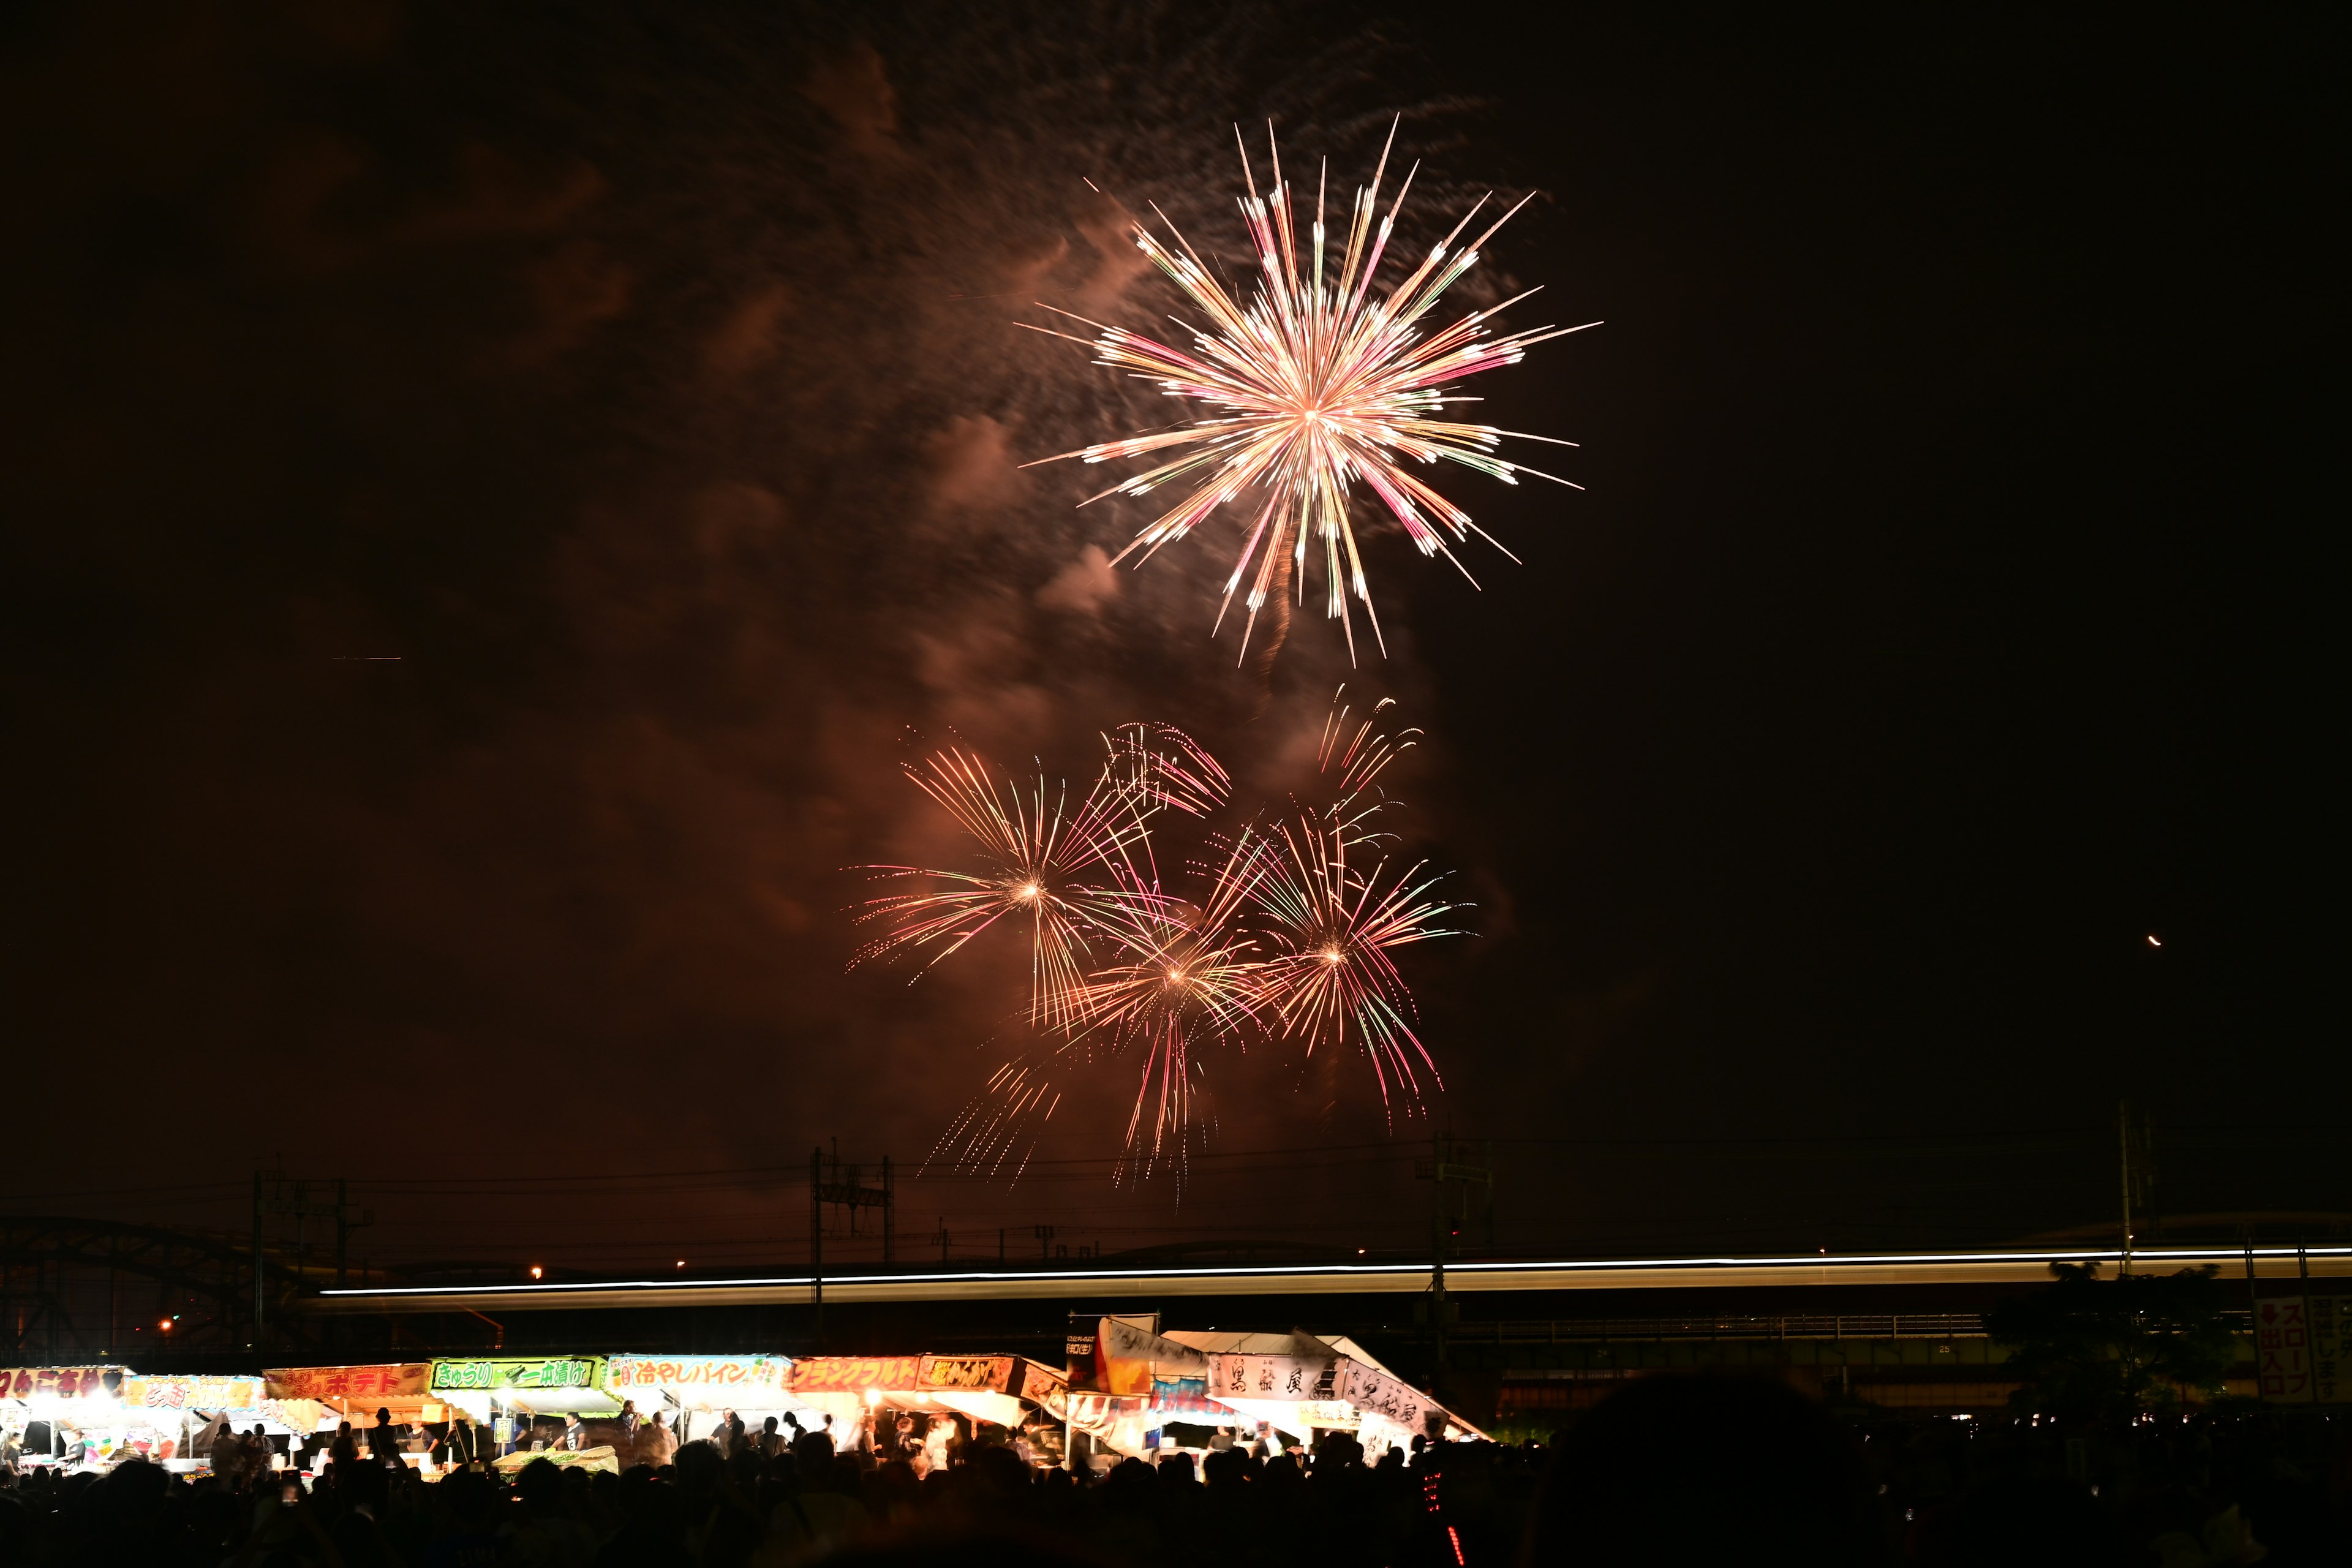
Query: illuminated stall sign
907, 1373
855, 1374
519, 1373
349, 1384
745, 1375
62, 1381
1283, 1377
967, 1372
192, 1393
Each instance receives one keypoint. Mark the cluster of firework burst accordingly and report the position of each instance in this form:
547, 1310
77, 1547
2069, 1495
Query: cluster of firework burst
1280, 929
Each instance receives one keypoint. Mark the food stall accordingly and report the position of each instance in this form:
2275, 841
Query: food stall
191, 1403
44, 1409
509, 1395
113, 1414
695, 1391
1299, 1385
321, 1398
944, 1402
1130, 1385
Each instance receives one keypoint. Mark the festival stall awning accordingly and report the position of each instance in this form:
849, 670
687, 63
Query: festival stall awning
995, 1388
554, 1385
360, 1387
220, 1395
1317, 1378
313, 1395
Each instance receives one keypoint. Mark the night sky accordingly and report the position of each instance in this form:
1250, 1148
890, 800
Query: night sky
494, 495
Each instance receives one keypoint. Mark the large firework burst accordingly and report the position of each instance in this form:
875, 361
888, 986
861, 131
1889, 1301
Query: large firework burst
1320, 384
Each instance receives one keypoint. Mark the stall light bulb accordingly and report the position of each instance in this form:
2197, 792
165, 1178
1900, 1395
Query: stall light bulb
166, 1325
535, 1271
873, 1396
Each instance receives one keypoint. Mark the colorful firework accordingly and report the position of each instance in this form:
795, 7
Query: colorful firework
1166, 769
1319, 386
1061, 870
1355, 755
1187, 974
1331, 930
1044, 864
1261, 940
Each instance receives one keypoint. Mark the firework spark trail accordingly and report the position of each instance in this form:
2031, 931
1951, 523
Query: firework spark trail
1036, 853
1331, 930
1189, 974
1003, 1119
1361, 755
1320, 385
1165, 767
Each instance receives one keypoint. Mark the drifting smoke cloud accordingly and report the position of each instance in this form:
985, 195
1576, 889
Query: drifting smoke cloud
648, 385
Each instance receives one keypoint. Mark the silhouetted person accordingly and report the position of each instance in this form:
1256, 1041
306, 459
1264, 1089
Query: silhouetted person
383, 1442
1702, 1470
2023, 1522
462, 1446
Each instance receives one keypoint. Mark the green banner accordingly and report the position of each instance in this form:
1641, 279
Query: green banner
540, 1373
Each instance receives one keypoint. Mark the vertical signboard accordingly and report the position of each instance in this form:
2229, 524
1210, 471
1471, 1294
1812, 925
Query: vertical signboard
2282, 1349
2331, 1348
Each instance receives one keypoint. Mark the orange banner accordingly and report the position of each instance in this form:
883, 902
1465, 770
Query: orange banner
855, 1374
967, 1372
60, 1382
330, 1385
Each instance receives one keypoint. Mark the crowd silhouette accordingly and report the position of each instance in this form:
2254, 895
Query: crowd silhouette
1671, 1471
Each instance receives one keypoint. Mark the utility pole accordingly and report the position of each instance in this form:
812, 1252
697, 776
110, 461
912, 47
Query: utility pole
298, 1208
2136, 1147
1044, 1235
816, 1238
853, 1195
1447, 1165
347, 1220
257, 1261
